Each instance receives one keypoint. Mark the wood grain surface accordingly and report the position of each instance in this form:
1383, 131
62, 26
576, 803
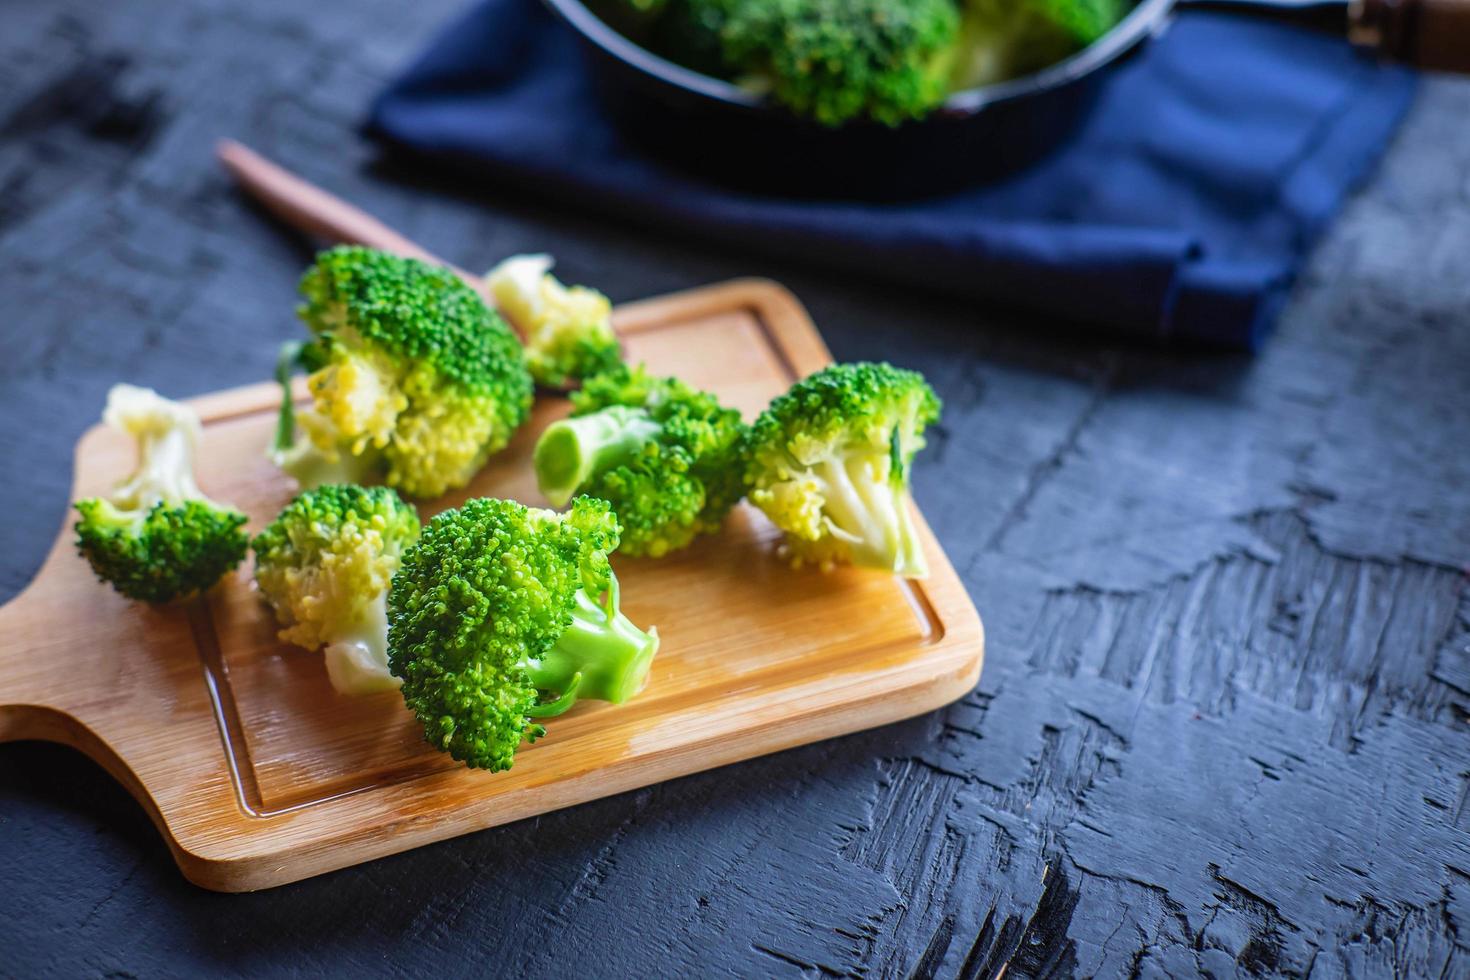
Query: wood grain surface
1222, 723
258, 774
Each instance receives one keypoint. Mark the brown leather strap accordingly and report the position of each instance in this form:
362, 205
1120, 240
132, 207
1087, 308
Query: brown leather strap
1432, 34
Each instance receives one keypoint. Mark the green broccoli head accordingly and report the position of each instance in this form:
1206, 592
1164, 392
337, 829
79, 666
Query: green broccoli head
1084, 21
883, 60
829, 464
838, 60
413, 376
665, 455
324, 565
502, 614
567, 331
156, 537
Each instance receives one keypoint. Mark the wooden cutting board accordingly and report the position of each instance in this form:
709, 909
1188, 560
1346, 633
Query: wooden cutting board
257, 773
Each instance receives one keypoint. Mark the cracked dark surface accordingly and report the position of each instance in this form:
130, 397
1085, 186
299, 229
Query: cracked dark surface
1222, 724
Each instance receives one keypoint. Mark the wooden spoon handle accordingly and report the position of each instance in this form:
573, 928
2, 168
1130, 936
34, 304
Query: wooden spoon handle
306, 207
1432, 34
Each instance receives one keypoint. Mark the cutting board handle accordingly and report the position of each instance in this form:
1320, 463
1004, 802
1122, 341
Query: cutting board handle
24, 709
62, 650
33, 679
75, 656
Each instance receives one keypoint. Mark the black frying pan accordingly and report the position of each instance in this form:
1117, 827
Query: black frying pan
715, 128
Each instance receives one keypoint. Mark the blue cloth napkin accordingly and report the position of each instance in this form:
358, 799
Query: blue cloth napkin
1180, 209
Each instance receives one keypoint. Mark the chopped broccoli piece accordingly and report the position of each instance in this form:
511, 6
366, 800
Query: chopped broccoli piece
889, 61
156, 537
666, 456
830, 60
837, 60
414, 378
1083, 21
567, 330
325, 564
829, 464
502, 614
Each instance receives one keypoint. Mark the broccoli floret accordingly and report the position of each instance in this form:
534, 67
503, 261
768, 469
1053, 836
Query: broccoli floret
837, 60
884, 60
156, 537
666, 456
1084, 21
829, 465
503, 614
413, 379
567, 331
830, 60
324, 565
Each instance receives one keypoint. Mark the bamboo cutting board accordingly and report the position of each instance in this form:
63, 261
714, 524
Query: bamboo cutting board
257, 773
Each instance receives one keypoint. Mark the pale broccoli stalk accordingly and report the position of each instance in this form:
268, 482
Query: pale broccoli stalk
567, 331
324, 565
413, 378
829, 464
357, 660
156, 537
503, 614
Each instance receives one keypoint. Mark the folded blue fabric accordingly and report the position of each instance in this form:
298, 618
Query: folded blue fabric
1180, 209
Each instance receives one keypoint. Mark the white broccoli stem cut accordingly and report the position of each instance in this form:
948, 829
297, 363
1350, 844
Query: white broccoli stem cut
357, 661
167, 434
870, 514
514, 286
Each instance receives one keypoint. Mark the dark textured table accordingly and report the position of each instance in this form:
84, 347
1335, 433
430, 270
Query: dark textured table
1223, 721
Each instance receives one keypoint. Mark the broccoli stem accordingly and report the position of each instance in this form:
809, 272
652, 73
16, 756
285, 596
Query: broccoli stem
105, 515
165, 465
550, 709
869, 512
602, 656
357, 660
286, 361
573, 450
